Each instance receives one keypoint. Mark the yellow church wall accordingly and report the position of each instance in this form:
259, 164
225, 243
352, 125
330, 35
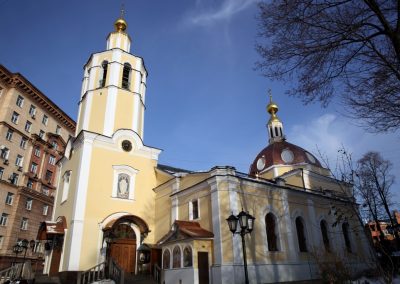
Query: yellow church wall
125, 106
226, 235
98, 109
295, 180
162, 213
192, 179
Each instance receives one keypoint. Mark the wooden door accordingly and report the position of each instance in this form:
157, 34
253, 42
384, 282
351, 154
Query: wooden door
55, 261
202, 260
124, 253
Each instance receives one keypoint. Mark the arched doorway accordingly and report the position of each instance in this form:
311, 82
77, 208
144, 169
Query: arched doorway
123, 236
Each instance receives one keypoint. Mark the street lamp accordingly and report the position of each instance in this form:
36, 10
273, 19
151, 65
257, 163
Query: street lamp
246, 223
17, 249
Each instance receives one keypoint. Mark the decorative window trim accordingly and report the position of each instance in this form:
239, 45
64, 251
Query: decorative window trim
127, 170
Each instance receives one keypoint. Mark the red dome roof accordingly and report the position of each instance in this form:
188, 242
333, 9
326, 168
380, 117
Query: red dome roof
281, 153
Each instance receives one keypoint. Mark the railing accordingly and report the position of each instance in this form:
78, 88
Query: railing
157, 273
94, 274
116, 273
11, 273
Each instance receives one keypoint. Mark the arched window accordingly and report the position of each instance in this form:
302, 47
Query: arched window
126, 74
272, 236
166, 259
104, 65
176, 257
276, 131
324, 232
272, 132
301, 236
346, 235
187, 257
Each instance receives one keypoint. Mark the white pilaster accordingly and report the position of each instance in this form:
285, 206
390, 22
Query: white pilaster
78, 214
111, 106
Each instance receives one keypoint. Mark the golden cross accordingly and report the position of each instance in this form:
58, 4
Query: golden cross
270, 95
122, 10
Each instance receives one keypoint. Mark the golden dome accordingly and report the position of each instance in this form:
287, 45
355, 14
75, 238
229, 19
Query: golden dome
120, 25
272, 107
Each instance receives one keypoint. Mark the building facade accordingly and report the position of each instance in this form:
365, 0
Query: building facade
33, 135
114, 197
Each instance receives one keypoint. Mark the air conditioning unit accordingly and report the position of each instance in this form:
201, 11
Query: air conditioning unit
20, 169
6, 162
33, 116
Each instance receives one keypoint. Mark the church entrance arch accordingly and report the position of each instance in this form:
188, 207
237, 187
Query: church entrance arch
124, 235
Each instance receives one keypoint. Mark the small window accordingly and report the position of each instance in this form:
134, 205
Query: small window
41, 134
176, 263
187, 257
166, 259
24, 224
14, 178
29, 184
104, 65
15, 117
20, 101
45, 191
4, 219
22, 144
49, 175
37, 152
126, 73
272, 237
58, 130
5, 153
45, 119
52, 160
28, 126
1, 173
325, 237
346, 235
19, 160
45, 210
54, 145
34, 167
32, 111
194, 209
9, 134
301, 236
9, 198
28, 203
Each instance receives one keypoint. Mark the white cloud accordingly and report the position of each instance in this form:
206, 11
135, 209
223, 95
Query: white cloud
227, 9
330, 132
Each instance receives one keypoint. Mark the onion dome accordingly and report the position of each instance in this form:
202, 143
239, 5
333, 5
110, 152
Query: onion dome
281, 153
120, 25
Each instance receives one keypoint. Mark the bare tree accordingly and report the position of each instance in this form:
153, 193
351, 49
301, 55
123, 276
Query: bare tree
344, 48
373, 182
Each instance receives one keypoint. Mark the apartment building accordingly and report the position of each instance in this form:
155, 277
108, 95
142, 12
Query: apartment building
33, 134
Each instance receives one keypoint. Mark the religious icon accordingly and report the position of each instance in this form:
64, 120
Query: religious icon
123, 186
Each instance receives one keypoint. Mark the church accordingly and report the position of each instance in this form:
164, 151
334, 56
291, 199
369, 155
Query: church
116, 203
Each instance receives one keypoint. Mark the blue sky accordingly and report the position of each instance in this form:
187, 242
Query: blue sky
205, 102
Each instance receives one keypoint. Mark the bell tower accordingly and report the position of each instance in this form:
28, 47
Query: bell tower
274, 125
113, 87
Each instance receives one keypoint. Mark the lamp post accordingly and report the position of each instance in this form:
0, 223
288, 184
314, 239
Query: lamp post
246, 222
17, 249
